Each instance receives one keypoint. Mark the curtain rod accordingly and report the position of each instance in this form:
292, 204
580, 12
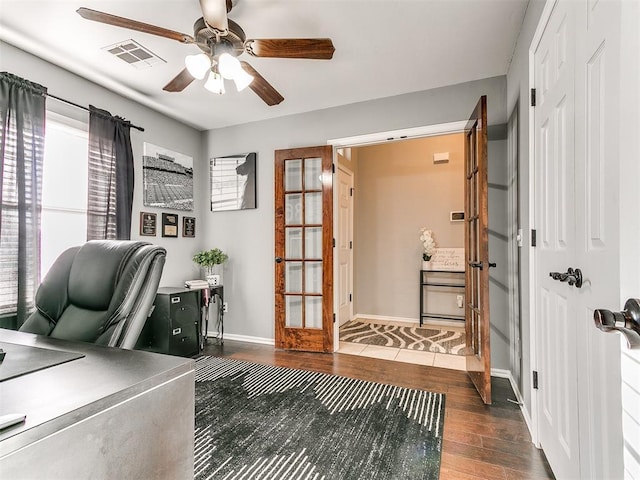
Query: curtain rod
86, 109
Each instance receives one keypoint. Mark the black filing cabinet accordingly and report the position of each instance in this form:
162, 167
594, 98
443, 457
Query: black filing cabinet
174, 324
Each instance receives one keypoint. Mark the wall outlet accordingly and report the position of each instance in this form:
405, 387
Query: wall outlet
460, 301
225, 307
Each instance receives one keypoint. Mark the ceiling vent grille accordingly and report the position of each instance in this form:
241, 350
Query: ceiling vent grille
134, 54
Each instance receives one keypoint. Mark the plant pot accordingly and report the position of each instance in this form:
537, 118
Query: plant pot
426, 265
214, 275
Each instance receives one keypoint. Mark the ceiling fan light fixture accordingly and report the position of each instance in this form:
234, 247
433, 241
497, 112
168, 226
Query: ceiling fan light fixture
228, 66
242, 79
215, 83
198, 65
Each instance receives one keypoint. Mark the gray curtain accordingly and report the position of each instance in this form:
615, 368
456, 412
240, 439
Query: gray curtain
22, 112
110, 177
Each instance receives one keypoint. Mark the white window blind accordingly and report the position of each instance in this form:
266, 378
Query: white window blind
64, 189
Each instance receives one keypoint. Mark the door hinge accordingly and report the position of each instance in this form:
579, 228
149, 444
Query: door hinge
351, 192
334, 318
535, 380
333, 242
350, 244
533, 237
333, 168
533, 97
350, 298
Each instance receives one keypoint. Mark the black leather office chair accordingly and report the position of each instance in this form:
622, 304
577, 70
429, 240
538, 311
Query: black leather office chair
100, 292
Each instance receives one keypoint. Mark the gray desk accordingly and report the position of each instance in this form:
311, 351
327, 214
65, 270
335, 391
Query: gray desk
109, 414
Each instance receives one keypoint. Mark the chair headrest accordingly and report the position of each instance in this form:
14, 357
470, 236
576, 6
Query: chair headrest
96, 270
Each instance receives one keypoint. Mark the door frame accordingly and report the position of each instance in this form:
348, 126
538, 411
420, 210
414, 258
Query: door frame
336, 253
374, 139
532, 421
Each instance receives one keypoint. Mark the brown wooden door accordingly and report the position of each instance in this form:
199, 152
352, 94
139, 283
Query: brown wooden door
304, 249
477, 252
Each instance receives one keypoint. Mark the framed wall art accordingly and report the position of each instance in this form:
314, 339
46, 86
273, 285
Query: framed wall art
188, 227
233, 182
169, 225
167, 177
148, 223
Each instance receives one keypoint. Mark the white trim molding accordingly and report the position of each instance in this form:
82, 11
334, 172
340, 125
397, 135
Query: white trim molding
242, 338
532, 419
402, 134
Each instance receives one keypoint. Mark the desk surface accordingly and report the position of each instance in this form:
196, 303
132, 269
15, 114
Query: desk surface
64, 394
22, 359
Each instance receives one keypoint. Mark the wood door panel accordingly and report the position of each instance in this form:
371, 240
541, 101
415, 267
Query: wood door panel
477, 326
298, 219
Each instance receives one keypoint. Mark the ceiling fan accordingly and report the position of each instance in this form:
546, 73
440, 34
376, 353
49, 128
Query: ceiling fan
221, 41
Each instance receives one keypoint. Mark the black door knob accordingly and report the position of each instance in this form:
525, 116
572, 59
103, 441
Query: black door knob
279, 260
572, 277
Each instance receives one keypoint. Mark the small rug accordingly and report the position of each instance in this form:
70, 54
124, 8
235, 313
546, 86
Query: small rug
412, 338
267, 422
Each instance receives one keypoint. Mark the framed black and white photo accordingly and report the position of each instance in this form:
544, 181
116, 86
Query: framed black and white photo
169, 225
233, 182
148, 222
167, 177
188, 227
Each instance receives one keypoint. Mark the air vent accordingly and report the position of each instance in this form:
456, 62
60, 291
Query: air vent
134, 54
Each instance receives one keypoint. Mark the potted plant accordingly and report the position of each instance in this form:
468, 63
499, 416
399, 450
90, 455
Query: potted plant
209, 259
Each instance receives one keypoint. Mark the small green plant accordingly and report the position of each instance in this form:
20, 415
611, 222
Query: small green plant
208, 258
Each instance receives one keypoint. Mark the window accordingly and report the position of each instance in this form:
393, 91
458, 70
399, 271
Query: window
64, 188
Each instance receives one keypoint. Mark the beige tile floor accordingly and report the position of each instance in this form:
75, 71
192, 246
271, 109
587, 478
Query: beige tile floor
453, 362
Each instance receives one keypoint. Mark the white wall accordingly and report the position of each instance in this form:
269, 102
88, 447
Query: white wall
159, 130
248, 235
518, 97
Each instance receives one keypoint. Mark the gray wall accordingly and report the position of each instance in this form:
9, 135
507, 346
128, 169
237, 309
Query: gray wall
248, 235
518, 97
159, 130
399, 190
498, 248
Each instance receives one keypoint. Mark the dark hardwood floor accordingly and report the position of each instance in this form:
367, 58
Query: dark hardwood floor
480, 442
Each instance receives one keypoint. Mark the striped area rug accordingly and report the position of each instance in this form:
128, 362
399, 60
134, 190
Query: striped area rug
274, 423
412, 338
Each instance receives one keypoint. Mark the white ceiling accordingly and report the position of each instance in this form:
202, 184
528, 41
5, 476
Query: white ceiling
383, 48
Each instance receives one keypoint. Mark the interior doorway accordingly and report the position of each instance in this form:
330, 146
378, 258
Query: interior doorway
400, 186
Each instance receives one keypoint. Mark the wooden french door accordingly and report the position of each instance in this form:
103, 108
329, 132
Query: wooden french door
304, 249
477, 252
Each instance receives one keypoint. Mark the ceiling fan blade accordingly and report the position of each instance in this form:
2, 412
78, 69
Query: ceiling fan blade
214, 13
179, 82
261, 87
109, 19
316, 48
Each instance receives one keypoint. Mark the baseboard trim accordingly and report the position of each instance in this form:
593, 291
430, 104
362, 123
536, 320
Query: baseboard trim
385, 317
501, 373
243, 338
416, 322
